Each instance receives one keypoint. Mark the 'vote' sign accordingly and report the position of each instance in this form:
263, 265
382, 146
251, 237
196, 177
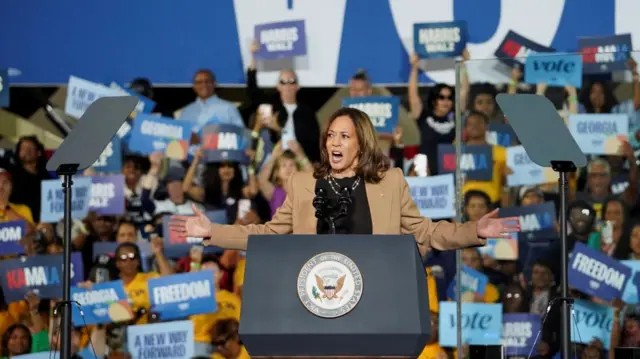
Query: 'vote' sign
481, 324
554, 70
382, 110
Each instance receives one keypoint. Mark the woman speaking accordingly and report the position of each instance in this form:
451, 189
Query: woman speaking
354, 187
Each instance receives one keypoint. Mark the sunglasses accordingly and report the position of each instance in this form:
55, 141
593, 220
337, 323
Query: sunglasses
128, 256
288, 81
443, 97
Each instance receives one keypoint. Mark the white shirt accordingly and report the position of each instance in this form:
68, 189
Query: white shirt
289, 131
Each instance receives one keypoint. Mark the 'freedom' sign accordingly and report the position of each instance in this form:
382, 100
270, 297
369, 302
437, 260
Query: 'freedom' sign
434, 195
153, 134
280, 40
515, 48
222, 142
103, 303
382, 110
481, 324
52, 199
519, 332
107, 195
599, 134
605, 54
181, 295
476, 162
596, 274
10, 235
440, 39
554, 70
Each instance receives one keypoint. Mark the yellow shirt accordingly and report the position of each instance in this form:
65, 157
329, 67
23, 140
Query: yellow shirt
494, 187
138, 292
238, 274
22, 210
491, 293
243, 355
228, 308
431, 351
433, 291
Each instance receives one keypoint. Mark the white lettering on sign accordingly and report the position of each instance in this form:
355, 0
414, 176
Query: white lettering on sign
182, 292
10, 234
439, 39
600, 127
279, 39
157, 129
378, 112
515, 334
598, 271
227, 141
94, 297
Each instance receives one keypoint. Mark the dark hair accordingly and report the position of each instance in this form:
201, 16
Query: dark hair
609, 99
361, 75
134, 247
42, 159
372, 162
124, 222
213, 185
473, 113
476, 90
205, 71
142, 86
433, 94
623, 247
475, 193
226, 327
4, 342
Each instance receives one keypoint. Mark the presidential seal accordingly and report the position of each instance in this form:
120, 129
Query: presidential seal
330, 285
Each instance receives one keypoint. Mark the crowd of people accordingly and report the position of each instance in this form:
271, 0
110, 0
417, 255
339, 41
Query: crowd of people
285, 141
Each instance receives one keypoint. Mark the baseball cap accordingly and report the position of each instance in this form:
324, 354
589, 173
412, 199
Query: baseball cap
525, 190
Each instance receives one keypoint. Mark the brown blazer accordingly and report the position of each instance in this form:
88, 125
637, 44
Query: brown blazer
392, 212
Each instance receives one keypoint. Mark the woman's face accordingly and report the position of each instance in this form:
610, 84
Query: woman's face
176, 195
444, 102
476, 127
635, 240
513, 297
615, 214
103, 226
286, 167
476, 208
342, 145
131, 172
471, 258
226, 171
18, 343
127, 261
541, 277
597, 95
631, 326
484, 103
126, 233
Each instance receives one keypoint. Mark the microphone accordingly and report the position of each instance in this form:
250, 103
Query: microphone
320, 203
344, 200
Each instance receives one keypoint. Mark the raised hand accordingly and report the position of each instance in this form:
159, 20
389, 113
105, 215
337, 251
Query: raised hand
490, 226
191, 226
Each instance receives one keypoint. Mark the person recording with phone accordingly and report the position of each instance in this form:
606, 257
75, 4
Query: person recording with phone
355, 175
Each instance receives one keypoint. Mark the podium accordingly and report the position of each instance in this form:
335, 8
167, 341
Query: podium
316, 296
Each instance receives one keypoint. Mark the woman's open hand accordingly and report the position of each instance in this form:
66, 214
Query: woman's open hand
490, 226
191, 226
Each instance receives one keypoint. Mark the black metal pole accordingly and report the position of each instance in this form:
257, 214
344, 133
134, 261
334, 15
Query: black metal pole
566, 309
65, 324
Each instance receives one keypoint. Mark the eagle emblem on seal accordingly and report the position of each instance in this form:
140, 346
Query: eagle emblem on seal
330, 290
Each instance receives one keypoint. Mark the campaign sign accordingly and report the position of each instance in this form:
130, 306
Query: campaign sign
536, 222
4, 88
434, 195
501, 134
594, 273
145, 104
104, 303
591, 321
110, 159
177, 246
599, 134
153, 133
605, 54
109, 249
10, 235
41, 274
40, 355
172, 340
440, 40
476, 162
279, 40
222, 143
525, 171
501, 248
515, 48
107, 195
519, 332
52, 199
473, 282
481, 324
553, 70
82, 93
181, 295
619, 184
632, 290
382, 110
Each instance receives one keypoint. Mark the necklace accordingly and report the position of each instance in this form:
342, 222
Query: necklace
336, 187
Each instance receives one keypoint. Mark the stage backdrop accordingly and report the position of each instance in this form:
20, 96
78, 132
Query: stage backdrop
167, 40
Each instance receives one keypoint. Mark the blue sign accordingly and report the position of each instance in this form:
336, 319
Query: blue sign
433, 195
145, 104
172, 340
181, 295
104, 303
41, 274
382, 110
472, 282
176, 246
110, 159
553, 70
619, 184
52, 199
107, 195
222, 143
591, 321
515, 48
476, 161
519, 332
10, 235
109, 249
525, 171
481, 324
605, 54
153, 134
599, 134
536, 222
632, 290
4, 88
596, 274
280, 40
40, 355
440, 39
501, 134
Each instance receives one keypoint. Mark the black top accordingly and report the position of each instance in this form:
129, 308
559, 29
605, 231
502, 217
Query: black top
358, 218
433, 131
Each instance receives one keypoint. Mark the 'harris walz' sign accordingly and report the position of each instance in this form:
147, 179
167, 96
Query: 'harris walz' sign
382, 110
223, 143
440, 40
